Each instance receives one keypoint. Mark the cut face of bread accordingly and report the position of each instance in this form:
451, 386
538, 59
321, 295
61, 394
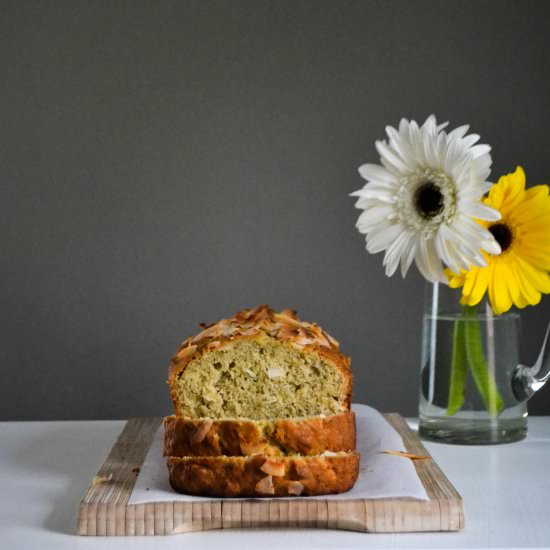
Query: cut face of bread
259, 378
264, 476
305, 436
260, 365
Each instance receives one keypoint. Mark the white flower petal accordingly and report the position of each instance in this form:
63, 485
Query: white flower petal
402, 147
461, 173
376, 242
390, 159
470, 140
441, 148
485, 187
403, 126
430, 151
454, 156
480, 150
408, 256
460, 132
395, 251
373, 216
430, 125
427, 261
481, 167
443, 251
473, 193
481, 211
377, 193
364, 204
492, 247
376, 172
466, 226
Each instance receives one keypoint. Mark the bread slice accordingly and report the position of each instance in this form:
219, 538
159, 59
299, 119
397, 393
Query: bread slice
264, 476
302, 436
260, 365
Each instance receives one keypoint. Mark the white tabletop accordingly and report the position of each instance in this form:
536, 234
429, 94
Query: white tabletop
46, 466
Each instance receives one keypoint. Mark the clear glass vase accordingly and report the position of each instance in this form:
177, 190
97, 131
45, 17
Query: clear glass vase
469, 359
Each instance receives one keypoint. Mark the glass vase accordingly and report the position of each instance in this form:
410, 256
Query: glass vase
469, 357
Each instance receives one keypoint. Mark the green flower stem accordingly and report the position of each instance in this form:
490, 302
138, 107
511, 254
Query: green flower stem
457, 386
484, 380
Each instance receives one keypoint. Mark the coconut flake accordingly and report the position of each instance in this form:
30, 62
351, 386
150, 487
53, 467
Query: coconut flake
295, 488
254, 448
265, 486
273, 467
186, 352
329, 453
201, 431
275, 372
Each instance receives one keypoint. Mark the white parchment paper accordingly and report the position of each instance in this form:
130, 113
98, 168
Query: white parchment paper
381, 475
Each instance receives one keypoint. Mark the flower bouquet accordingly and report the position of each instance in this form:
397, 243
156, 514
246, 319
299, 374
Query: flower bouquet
485, 247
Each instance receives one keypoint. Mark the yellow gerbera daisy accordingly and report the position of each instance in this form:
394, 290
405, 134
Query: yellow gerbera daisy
521, 272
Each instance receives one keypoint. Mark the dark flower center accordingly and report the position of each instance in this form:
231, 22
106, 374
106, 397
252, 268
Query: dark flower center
428, 200
502, 234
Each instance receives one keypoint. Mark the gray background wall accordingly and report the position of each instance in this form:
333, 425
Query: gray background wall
164, 163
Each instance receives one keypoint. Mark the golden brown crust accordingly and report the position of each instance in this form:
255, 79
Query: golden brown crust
308, 436
261, 475
255, 323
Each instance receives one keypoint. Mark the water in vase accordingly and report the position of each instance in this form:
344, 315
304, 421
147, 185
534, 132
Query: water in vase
470, 413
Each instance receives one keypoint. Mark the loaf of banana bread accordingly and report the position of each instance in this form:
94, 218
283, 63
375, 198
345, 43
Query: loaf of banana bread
262, 408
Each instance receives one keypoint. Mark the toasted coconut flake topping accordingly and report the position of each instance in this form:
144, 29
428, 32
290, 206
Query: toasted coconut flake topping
289, 313
202, 431
403, 454
253, 448
210, 332
253, 322
273, 467
186, 352
295, 488
98, 480
265, 486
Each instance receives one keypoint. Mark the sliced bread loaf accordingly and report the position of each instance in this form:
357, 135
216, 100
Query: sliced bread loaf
262, 403
303, 436
261, 476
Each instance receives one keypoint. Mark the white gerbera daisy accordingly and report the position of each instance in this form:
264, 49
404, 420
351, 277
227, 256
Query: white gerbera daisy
421, 202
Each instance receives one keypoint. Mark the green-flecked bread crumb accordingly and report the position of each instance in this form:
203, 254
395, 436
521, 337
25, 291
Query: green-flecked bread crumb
259, 379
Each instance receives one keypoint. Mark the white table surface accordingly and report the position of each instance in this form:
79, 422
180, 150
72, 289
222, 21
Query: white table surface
46, 466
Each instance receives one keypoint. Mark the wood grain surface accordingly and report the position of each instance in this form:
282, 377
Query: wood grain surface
104, 509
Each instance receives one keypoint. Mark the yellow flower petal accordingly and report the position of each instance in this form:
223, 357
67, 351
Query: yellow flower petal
479, 287
537, 190
537, 257
469, 282
456, 280
529, 209
521, 301
512, 283
498, 291
540, 280
508, 191
529, 293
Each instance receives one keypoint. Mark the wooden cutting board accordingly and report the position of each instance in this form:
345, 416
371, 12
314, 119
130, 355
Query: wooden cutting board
104, 509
